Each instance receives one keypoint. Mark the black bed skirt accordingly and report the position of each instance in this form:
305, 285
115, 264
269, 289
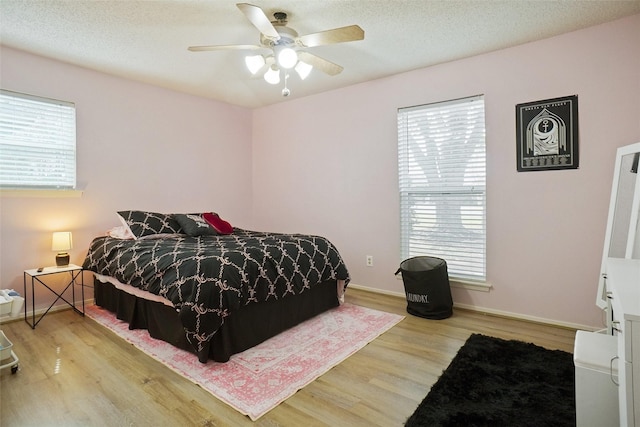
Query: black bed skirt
244, 329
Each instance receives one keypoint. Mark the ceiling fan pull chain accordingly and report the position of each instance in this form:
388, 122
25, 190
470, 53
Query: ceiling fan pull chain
286, 91
282, 49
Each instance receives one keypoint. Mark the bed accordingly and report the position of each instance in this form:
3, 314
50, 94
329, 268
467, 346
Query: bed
198, 283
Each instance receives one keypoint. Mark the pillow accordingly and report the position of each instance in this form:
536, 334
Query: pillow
120, 232
141, 223
194, 225
220, 225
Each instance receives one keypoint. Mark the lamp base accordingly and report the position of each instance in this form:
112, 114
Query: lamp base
62, 259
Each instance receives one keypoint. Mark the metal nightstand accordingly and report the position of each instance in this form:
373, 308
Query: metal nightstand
76, 273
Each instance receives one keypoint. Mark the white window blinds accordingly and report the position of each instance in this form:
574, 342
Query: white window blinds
441, 158
37, 142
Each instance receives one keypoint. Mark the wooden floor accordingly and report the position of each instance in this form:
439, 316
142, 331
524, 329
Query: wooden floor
74, 372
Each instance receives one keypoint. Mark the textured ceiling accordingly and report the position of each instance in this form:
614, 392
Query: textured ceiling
147, 40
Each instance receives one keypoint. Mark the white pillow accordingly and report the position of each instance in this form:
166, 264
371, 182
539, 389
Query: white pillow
121, 232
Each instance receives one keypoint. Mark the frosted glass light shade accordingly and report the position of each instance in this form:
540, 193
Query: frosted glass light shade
272, 76
287, 58
254, 63
303, 69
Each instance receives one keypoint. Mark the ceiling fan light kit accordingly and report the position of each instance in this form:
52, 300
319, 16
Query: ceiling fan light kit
286, 46
287, 57
303, 69
272, 76
255, 63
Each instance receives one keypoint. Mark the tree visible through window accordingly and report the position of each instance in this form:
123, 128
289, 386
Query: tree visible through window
37, 142
441, 158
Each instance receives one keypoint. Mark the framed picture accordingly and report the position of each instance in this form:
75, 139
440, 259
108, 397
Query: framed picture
547, 134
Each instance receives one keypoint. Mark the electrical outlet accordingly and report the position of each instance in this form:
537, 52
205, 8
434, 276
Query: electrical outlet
369, 260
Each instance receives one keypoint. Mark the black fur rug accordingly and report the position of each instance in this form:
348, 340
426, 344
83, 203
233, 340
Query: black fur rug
494, 382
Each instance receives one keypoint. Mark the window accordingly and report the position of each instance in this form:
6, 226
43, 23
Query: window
441, 159
37, 142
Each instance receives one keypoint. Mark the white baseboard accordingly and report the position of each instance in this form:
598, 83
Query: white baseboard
376, 291
490, 311
40, 311
519, 316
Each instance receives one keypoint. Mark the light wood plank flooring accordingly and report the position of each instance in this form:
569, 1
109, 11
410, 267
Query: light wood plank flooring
74, 372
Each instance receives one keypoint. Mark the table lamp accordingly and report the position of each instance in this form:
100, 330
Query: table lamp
61, 243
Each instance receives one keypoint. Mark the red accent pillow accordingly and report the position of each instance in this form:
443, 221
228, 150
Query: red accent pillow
218, 224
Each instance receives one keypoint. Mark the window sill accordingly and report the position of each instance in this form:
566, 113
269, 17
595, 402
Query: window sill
40, 193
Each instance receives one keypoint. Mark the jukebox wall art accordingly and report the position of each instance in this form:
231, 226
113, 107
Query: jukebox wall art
547, 134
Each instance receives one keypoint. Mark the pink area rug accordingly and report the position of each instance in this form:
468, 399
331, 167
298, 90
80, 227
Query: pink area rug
259, 379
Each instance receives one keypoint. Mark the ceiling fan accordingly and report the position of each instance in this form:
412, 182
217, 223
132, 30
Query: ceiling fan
284, 49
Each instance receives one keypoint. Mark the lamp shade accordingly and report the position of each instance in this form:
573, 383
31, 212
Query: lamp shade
62, 241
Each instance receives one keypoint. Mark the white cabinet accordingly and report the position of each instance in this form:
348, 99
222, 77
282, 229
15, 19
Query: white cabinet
623, 290
619, 287
622, 237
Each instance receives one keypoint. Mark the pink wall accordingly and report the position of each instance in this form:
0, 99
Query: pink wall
138, 147
327, 164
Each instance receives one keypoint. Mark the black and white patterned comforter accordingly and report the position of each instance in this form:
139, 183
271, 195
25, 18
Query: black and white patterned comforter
207, 278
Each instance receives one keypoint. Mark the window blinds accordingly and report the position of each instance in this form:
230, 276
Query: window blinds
441, 159
37, 142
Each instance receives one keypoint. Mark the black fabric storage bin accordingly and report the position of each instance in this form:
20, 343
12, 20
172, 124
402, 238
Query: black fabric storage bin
426, 285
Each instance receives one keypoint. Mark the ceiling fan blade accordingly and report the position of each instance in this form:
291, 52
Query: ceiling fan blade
321, 64
259, 20
337, 35
225, 47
